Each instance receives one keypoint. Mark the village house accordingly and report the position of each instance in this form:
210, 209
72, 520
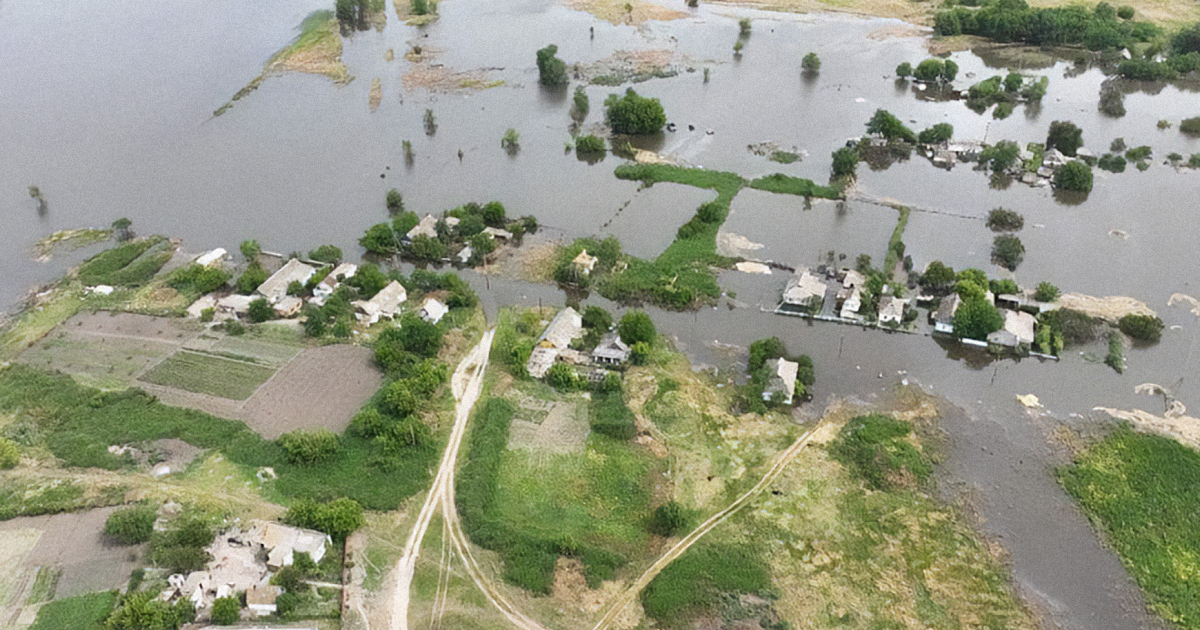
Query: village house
566, 326
782, 383
891, 309
289, 305
804, 291
611, 351
283, 542
275, 288
1017, 330
211, 258
386, 303
433, 311
584, 263
426, 227
943, 319
329, 283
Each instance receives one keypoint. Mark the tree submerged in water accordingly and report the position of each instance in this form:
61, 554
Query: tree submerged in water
36, 194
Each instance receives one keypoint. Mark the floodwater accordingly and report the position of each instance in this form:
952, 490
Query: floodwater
107, 108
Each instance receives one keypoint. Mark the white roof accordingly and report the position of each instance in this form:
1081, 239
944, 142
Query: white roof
566, 325
497, 233
1020, 324
275, 288
891, 309
853, 303
345, 270
432, 311
389, 298
426, 227
783, 378
611, 347
211, 257
282, 542
289, 305
802, 288
236, 303
853, 279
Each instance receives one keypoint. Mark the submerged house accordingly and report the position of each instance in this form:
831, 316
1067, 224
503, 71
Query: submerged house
565, 327
386, 303
1017, 330
611, 350
891, 309
781, 385
427, 226
943, 319
804, 291
275, 288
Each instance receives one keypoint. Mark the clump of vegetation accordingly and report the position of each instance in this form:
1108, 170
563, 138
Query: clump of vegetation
934, 71
938, 278
10, 454
394, 201
1074, 176
744, 27
1190, 126
762, 351
1111, 163
1112, 101
259, 311
81, 612
845, 163
669, 519
811, 63
1005, 91
254, 275
145, 611
1000, 157
633, 114
941, 132
904, 70
226, 611
197, 279
1146, 328
310, 447
579, 104
338, 518
884, 124
1046, 292
1064, 136
131, 264
430, 122
250, 249
781, 184
552, 71
131, 525
589, 144
877, 448
328, 254
1142, 490
702, 577
975, 318
1007, 251
180, 547
1005, 220
511, 141
1016, 21
1115, 358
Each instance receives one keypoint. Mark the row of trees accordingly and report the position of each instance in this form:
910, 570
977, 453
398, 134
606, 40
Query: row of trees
1015, 21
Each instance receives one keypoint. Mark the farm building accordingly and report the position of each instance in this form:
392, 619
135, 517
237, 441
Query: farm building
386, 303
329, 283
275, 288
782, 383
611, 350
566, 326
943, 320
804, 291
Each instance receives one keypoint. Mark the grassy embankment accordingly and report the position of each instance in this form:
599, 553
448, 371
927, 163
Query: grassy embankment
317, 50
850, 536
896, 243
1143, 492
682, 277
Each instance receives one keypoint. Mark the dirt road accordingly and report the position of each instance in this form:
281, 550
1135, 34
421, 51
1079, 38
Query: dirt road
466, 384
716, 519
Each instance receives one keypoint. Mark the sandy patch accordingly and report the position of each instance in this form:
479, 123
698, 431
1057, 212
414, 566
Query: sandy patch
376, 95
1110, 308
642, 156
898, 31
441, 79
913, 12
625, 11
320, 54
631, 66
753, 267
1180, 298
735, 245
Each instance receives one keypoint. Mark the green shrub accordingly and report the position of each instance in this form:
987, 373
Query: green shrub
669, 519
260, 311
306, 448
427, 249
634, 114
884, 124
976, 318
1007, 251
845, 162
589, 144
81, 612
596, 318
510, 141
1125, 12
763, 350
696, 583
1111, 163
1004, 287
330, 254
636, 327
10, 454
197, 279
1138, 154
904, 70
289, 578
811, 62
551, 70
876, 448
1142, 327
562, 377
394, 201
144, 611
580, 105
1074, 176
1000, 156
1005, 220
609, 416
1065, 137
226, 611
338, 518
1046, 292
932, 70
1115, 358
1190, 126
132, 525
253, 276
941, 132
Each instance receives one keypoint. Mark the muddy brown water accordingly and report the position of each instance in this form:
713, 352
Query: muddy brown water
107, 108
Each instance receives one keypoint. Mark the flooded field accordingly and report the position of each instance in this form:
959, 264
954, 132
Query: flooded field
110, 126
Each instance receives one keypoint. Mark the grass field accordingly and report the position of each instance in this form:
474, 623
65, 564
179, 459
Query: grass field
1143, 492
209, 374
83, 612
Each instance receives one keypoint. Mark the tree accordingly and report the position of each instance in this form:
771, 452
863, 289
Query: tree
634, 114
974, 276
395, 201
589, 144
120, 229
327, 254
883, 123
226, 611
306, 448
419, 336
937, 276
511, 141
1074, 176
338, 518
763, 350
562, 377
369, 279
131, 525
1142, 327
260, 311
1007, 251
1012, 82
1187, 40
1000, 156
669, 519
580, 105
636, 327
929, 70
940, 132
551, 70
904, 70
845, 162
1190, 126
596, 318
144, 611
426, 248
253, 276
976, 319
811, 63
1005, 220
250, 249
1065, 137
1045, 292
379, 239
430, 122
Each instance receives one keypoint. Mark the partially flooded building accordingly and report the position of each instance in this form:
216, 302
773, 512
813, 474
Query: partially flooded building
804, 292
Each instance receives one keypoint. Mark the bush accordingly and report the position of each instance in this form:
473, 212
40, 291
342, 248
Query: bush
1074, 176
10, 454
883, 123
1125, 12
845, 162
596, 318
932, 70
1190, 126
763, 350
338, 518
1142, 327
551, 70
904, 70
609, 416
937, 276
144, 611
669, 519
197, 279
427, 249
1004, 287
811, 62
306, 448
1187, 40
1005, 220
226, 611
636, 327
1112, 102
1007, 251
132, 525
250, 249
253, 276
1111, 163
1000, 156
1115, 358
580, 104
589, 144
1065, 137
1046, 292
562, 377
940, 132
260, 311
633, 114
395, 201
330, 254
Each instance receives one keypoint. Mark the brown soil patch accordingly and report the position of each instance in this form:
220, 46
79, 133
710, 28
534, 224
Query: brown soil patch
321, 54
532, 261
441, 79
899, 31
1110, 308
625, 11
635, 66
75, 543
376, 95
322, 387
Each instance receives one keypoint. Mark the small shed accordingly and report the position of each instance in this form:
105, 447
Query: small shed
433, 311
611, 350
943, 320
585, 263
782, 381
275, 288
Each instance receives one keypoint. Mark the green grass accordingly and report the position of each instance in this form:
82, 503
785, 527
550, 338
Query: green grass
788, 185
696, 582
876, 448
1115, 358
132, 264
44, 585
82, 612
1143, 492
532, 508
609, 416
23, 497
79, 423
209, 374
896, 242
